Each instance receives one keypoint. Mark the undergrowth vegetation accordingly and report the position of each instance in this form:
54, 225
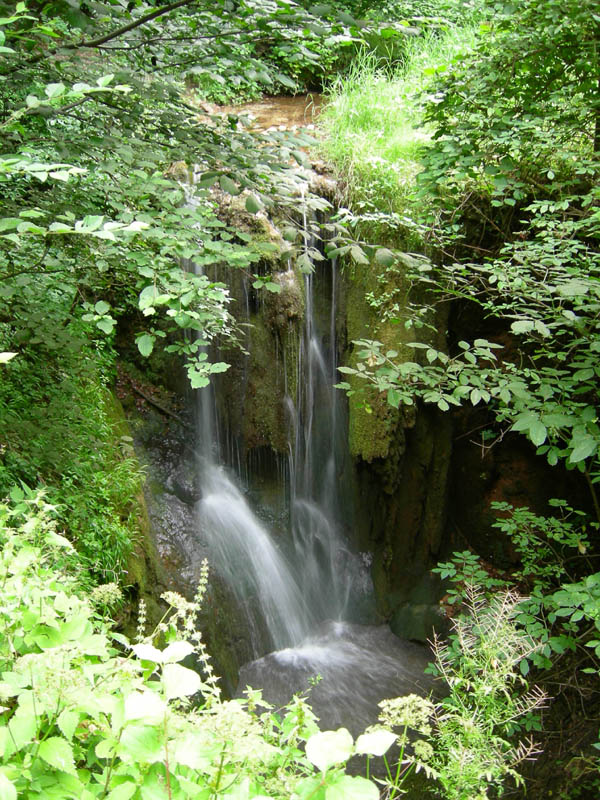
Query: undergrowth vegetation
62, 428
88, 714
374, 118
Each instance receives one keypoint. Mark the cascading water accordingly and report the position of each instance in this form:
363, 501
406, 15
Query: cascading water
297, 592
241, 548
330, 572
284, 597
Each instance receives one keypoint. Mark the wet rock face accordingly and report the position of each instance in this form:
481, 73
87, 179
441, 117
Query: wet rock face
507, 472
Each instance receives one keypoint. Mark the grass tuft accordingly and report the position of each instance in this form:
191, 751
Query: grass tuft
374, 133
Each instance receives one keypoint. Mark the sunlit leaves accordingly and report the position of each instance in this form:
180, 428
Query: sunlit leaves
58, 753
329, 747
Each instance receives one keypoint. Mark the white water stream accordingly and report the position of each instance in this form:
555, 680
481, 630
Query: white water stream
296, 592
286, 595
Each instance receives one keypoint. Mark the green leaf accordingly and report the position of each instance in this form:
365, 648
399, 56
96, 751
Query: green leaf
375, 743
537, 432
145, 344
196, 750
7, 788
327, 748
146, 706
141, 743
219, 366
198, 380
122, 792
101, 307
147, 652
22, 730
54, 90
228, 185
253, 204
176, 651
522, 326
147, 296
105, 80
393, 395
585, 447
180, 681
352, 788
106, 324
384, 257
357, 254
67, 722
57, 752
9, 223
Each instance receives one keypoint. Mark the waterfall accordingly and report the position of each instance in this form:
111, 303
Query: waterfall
241, 548
330, 571
285, 589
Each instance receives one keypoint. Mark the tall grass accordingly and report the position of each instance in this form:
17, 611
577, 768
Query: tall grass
373, 120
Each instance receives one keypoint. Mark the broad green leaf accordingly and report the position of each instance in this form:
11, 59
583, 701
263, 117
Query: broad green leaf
147, 652
228, 185
7, 788
347, 787
585, 447
105, 80
537, 433
177, 651
384, 257
105, 748
376, 742
145, 344
145, 705
122, 792
101, 307
22, 729
148, 296
90, 223
253, 204
106, 324
327, 748
522, 326
9, 223
358, 255
198, 380
141, 743
219, 366
393, 395
54, 90
180, 681
57, 752
196, 750
67, 722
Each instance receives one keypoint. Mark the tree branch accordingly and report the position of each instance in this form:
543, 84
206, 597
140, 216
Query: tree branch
100, 40
159, 12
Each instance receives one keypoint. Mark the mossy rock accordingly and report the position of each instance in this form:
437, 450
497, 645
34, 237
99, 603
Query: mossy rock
264, 422
373, 422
